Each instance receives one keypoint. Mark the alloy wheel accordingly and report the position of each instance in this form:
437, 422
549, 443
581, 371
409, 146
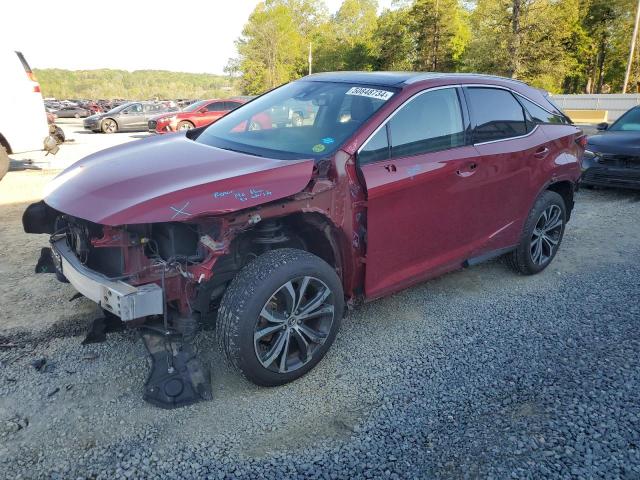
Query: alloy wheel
293, 324
185, 126
110, 126
546, 235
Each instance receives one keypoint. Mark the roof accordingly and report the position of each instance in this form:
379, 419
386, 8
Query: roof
398, 79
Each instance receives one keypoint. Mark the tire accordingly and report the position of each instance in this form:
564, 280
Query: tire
109, 125
251, 304
185, 125
4, 162
541, 236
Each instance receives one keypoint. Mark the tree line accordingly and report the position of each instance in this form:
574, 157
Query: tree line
563, 46
137, 85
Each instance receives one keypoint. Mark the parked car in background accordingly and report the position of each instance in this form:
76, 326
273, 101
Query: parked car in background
195, 115
612, 157
400, 177
23, 121
130, 117
72, 112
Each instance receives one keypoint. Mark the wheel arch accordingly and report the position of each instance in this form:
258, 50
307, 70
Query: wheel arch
308, 231
4, 143
566, 190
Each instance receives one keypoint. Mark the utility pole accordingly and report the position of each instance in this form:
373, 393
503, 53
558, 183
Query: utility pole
633, 46
311, 58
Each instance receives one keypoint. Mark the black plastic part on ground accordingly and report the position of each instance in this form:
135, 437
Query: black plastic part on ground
177, 378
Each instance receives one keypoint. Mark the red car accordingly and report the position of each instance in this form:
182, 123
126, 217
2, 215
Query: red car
195, 115
391, 179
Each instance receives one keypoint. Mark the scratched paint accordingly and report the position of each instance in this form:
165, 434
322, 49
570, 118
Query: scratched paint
180, 211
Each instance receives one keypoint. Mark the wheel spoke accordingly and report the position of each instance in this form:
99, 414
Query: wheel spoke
303, 345
266, 331
276, 349
557, 223
285, 353
290, 296
537, 252
316, 301
301, 291
273, 317
314, 336
325, 310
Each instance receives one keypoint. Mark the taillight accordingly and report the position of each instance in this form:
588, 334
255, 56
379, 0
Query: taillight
36, 88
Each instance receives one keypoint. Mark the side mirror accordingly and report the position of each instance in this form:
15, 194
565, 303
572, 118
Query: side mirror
602, 126
203, 110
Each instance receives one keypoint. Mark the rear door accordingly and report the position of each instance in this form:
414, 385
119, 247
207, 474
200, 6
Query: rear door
425, 189
512, 149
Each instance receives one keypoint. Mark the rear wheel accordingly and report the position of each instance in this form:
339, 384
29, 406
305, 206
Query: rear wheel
184, 125
542, 235
109, 126
280, 315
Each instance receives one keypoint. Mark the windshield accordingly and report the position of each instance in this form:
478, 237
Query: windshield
303, 119
194, 106
118, 108
630, 121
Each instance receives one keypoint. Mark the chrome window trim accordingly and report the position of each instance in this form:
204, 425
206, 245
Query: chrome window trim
481, 85
400, 107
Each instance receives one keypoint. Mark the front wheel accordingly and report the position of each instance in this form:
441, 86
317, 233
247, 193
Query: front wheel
109, 126
185, 125
542, 235
280, 315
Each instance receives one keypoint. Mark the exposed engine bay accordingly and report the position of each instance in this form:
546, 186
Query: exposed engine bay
164, 279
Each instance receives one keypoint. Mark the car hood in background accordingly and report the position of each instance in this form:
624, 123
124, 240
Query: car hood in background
171, 178
617, 143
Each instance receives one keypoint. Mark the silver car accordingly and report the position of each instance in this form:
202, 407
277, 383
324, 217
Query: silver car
129, 117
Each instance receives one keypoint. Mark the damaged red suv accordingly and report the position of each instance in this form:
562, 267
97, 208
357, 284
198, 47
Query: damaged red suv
394, 179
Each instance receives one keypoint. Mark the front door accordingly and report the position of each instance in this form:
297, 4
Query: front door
425, 188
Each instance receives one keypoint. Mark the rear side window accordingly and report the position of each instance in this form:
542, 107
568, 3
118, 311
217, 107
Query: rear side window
216, 107
539, 114
495, 114
428, 123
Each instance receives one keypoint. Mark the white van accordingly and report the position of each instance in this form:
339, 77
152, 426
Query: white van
23, 121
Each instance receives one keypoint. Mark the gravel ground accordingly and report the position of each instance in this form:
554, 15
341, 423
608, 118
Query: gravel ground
481, 373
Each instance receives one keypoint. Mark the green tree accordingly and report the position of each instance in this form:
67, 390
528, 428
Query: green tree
394, 40
441, 33
525, 39
347, 40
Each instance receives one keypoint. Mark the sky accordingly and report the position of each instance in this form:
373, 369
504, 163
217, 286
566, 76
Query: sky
190, 36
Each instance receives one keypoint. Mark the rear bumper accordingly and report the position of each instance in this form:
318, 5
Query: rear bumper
120, 298
612, 177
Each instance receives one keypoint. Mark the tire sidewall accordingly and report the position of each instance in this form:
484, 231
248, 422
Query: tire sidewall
547, 199
248, 361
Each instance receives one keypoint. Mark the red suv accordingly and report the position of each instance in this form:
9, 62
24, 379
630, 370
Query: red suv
392, 179
195, 115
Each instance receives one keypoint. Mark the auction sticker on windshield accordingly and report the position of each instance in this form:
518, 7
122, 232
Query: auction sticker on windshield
370, 92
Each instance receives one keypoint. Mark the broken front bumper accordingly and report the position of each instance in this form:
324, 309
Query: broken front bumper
120, 298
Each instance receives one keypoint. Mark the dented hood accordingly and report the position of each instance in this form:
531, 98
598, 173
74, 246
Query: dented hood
171, 178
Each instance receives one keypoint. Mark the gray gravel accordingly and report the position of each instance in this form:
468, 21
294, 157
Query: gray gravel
481, 373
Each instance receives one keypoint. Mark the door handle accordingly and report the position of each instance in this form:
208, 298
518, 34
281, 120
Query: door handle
391, 168
468, 170
542, 152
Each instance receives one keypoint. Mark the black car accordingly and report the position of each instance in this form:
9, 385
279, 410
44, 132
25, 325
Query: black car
612, 157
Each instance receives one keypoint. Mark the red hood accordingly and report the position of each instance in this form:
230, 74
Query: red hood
171, 178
